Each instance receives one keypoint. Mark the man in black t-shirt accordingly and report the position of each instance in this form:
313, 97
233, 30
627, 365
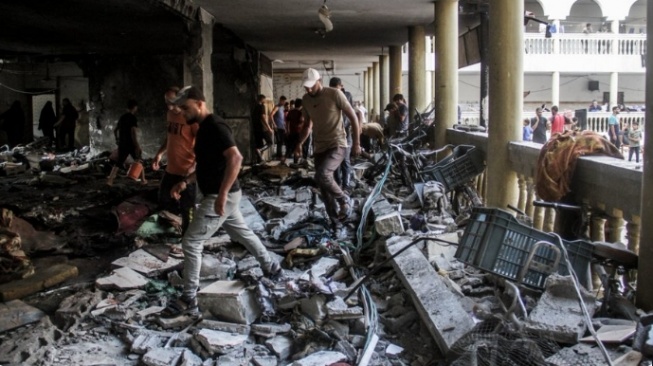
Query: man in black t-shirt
218, 164
261, 128
538, 124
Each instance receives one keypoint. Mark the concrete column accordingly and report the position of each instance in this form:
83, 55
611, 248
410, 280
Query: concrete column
416, 69
530, 196
614, 89
555, 88
366, 91
645, 275
370, 98
523, 192
197, 55
376, 87
633, 234
446, 68
556, 38
395, 70
506, 58
384, 83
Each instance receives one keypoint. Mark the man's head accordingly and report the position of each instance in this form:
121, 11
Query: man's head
390, 107
312, 81
526, 122
594, 102
335, 82
398, 98
635, 125
298, 103
282, 99
538, 111
554, 110
193, 104
261, 98
132, 106
169, 98
615, 110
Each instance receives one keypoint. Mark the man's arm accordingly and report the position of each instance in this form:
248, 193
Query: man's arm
355, 130
537, 123
264, 121
303, 135
274, 110
234, 160
137, 146
159, 154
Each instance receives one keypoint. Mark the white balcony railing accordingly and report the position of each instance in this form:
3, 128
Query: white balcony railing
586, 44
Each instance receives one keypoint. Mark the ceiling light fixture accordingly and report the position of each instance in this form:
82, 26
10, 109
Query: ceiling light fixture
324, 14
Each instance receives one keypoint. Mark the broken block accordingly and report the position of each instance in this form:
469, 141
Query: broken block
389, 224
280, 346
163, 356
315, 308
188, 358
224, 326
123, 278
214, 268
558, 313
230, 301
303, 194
15, 313
147, 264
250, 214
42, 279
338, 310
324, 266
322, 358
269, 330
146, 342
218, 342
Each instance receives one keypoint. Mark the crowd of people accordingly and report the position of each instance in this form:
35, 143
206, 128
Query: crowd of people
66, 131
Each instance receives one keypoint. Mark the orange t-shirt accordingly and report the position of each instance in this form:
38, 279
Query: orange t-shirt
558, 124
181, 144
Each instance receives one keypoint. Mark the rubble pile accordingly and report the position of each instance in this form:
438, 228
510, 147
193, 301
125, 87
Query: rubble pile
391, 294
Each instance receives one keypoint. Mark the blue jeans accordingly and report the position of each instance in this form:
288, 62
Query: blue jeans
205, 223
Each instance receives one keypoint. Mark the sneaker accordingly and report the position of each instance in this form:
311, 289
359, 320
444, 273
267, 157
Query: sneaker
182, 306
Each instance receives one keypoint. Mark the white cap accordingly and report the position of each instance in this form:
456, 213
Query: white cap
311, 76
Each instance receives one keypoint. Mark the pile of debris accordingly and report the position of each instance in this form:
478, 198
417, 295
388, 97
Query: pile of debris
385, 290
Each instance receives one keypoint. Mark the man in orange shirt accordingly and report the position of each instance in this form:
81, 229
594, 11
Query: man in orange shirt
557, 121
179, 144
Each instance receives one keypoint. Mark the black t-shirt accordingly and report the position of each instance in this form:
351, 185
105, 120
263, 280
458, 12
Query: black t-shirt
125, 124
213, 138
539, 134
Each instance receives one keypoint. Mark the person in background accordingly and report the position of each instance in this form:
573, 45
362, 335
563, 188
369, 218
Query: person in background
594, 107
278, 116
634, 138
613, 127
294, 127
47, 119
538, 125
263, 132
66, 125
82, 126
556, 122
125, 133
343, 173
527, 130
179, 145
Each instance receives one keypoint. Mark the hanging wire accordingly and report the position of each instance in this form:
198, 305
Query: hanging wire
26, 92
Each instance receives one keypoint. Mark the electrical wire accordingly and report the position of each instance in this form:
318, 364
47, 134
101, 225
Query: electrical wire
26, 92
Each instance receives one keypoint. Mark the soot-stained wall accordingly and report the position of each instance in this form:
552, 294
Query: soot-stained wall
115, 80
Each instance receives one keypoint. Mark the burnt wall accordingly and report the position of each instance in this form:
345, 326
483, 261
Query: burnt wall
115, 80
236, 83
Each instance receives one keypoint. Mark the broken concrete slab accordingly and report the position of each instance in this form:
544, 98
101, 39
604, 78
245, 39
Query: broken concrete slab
580, 354
558, 313
439, 308
324, 266
146, 342
615, 334
188, 358
250, 214
176, 322
229, 300
147, 264
299, 213
337, 309
218, 342
163, 356
42, 279
123, 278
315, 308
303, 194
441, 254
225, 327
389, 223
15, 313
281, 346
74, 307
214, 268
264, 361
322, 358
269, 330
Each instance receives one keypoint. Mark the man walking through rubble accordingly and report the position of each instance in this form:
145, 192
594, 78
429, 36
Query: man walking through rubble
218, 164
323, 109
179, 144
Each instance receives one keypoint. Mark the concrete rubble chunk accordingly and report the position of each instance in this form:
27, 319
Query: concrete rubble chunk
147, 264
150, 311
74, 307
218, 342
15, 313
281, 346
393, 350
270, 329
322, 358
558, 313
214, 268
250, 214
297, 214
188, 358
225, 326
163, 356
303, 194
176, 322
647, 347
387, 224
440, 308
247, 263
146, 342
441, 254
230, 301
324, 266
314, 307
337, 309
579, 354
298, 242
265, 361
42, 279
123, 278
230, 360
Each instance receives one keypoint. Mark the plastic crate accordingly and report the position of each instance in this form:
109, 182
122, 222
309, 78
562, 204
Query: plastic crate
496, 242
463, 165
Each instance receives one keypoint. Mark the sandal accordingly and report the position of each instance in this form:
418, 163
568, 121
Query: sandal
182, 306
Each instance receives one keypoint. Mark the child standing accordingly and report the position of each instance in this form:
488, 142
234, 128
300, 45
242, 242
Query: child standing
528, 130
634, 136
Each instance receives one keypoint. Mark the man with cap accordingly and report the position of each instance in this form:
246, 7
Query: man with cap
323, 110
343, 173
218, 163
400, 114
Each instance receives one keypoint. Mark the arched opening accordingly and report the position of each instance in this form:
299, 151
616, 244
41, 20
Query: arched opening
584, 12
535, 7
635, 22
